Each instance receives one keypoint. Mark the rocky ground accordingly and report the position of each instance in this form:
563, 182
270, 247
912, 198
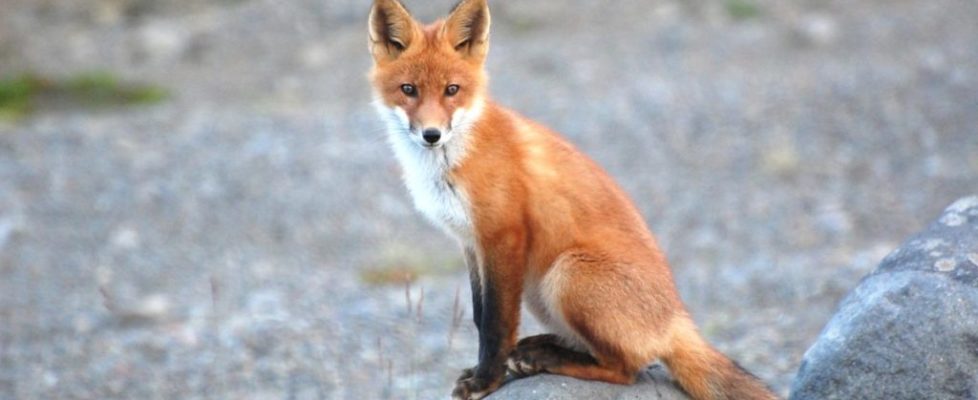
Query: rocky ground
246, 237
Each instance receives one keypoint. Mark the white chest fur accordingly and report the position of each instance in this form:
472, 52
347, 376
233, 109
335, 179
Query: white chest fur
439, 199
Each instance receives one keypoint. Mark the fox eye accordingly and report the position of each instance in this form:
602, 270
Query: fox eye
451, 90
409, 89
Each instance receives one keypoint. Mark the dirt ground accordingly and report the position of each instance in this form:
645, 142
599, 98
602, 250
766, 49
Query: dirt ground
248, 236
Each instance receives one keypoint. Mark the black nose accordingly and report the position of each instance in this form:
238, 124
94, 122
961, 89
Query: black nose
431, 135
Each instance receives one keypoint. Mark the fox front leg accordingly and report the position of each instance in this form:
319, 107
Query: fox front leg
472, 264
496, 308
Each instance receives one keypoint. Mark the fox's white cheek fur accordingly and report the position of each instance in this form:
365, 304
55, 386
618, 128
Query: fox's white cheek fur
463, 119
458, 118
396, 119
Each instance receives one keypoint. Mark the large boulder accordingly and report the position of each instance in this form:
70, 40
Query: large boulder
910, 329
653, 384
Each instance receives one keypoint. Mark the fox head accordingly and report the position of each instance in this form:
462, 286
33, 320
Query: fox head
429, 81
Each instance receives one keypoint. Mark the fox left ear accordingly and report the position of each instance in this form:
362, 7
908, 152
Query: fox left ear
467, 29
391, 28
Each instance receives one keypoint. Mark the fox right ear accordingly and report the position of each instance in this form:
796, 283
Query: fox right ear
391, 29
467, 29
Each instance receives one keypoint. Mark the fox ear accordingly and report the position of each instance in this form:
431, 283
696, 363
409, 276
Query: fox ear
467, 28
391, 29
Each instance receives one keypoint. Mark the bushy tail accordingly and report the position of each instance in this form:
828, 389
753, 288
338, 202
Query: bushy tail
706, 374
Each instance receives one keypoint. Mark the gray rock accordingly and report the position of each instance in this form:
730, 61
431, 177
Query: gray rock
654, 383
910, 329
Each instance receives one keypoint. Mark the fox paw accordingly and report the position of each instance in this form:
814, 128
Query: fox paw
524, 362
470, 387
466, 374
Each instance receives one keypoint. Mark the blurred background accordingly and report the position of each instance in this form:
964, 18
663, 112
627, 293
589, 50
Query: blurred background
197, 200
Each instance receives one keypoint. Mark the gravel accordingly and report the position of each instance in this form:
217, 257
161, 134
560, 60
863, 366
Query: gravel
214, 246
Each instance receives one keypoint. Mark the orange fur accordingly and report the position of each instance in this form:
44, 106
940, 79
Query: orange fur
542, 222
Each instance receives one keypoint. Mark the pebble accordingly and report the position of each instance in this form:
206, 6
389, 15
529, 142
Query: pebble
945, 264
952, 219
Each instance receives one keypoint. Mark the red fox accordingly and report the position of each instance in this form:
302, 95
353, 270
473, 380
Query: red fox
539, 222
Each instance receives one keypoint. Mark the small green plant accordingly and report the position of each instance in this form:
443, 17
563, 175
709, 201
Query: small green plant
23, 94
15, 96
104, 88
400, 265
742, 9
390, 274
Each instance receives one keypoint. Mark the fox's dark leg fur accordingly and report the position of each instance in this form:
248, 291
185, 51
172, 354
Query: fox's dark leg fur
540, 354
538, 340
499, 277
544, 354
472, 262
